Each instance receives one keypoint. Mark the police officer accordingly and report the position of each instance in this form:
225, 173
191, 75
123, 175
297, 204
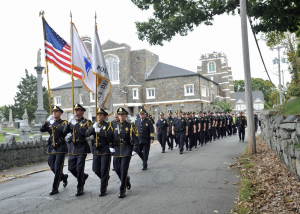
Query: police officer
229, 124
256, 122
233, 124
123, 145
170, 137
145, 136
57, 147
211, 119
207, 129
79, 147
213, 126
237, 122
189, 140
100, 149
242, 124
196, 135
180, 130
176, 141
184, 115
116, 119
224, 124
162, 131
202, 130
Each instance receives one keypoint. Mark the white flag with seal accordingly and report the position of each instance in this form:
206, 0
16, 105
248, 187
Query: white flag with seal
104, 97
82, 60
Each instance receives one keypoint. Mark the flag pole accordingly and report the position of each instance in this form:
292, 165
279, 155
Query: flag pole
96, 102
47, 69
72, 75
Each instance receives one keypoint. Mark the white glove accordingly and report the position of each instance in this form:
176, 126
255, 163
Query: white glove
73, 121
50, 118
97, 129
51, 122
72, 117
134, 153
96, 125
112, 150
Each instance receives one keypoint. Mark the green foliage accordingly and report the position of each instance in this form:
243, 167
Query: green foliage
290, 108
26, 97
227, 107
173, 17
239, 85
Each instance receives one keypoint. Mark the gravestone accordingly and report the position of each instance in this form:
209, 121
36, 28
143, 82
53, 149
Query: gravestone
40, 114
24, 130
10, 125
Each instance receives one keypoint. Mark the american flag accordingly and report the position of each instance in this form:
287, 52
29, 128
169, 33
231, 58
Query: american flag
58, 51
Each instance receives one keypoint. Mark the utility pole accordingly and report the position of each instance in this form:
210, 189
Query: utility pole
248, 84
280, 91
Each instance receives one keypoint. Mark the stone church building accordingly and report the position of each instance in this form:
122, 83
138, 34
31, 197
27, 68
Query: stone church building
140, 79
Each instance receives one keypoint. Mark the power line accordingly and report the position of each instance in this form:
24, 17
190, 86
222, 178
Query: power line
258, 46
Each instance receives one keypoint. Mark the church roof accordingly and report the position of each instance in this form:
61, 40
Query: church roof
132, 82
255, 95
77, 84
163, 70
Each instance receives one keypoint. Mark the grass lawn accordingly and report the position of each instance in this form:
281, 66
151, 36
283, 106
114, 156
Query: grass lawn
2, 138
290, 108
5, 130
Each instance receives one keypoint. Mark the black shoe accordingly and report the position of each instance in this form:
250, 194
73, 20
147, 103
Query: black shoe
53, 192
128, 183
163, 151
171, 148
121, 195
176, 145
79, 192
85, 177
65, 180
102, 194
190, 150
181, 153
113, 169
144, 168
201, 144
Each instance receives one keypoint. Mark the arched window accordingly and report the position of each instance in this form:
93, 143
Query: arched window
211, 67
112, 66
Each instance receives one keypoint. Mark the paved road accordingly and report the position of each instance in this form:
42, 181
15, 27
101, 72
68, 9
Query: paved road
197, 181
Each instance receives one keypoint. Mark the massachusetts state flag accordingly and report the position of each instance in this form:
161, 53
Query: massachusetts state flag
58, 51
104, 97
82, 60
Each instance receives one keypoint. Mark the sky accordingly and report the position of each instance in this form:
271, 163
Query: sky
22, 36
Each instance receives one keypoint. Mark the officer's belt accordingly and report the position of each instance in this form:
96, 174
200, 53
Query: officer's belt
162, 129
60, 141
179, 130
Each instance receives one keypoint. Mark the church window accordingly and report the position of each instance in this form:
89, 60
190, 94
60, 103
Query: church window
189, 90
92, 97
80, 99
150, 93
57, 101
135, 93
211, 67
112, 66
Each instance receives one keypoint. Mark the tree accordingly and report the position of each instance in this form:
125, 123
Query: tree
26, 97
227, 107
239, 85
173, 17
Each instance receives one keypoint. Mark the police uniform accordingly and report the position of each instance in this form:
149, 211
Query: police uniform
221, 125
162, 128
78, 149
176, 140
124, 142
189, 140
196, 135
180, 125
145, 135
100, 150
202, 132
229, 125
57, 149
242, 124
170, 137
207, 130
224, 125
256, 122
233, 124
213, 127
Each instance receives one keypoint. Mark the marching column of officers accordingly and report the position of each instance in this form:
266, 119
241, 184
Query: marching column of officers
122, 140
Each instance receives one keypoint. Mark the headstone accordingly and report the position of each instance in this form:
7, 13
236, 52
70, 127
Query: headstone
40, 114
10, 125
24, 130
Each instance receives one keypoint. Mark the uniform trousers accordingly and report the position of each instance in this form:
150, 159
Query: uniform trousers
180, 140
207, 132
214, 134
242, 134
144, 149
170, 140
121, 166
233, 129
202, 136
196, 138
220, 134
162, 138
101, 166
76, 165
224, 130
189, 140
229, 129
56, 164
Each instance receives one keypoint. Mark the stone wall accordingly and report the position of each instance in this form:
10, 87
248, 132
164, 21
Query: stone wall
283, 136
14, 153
